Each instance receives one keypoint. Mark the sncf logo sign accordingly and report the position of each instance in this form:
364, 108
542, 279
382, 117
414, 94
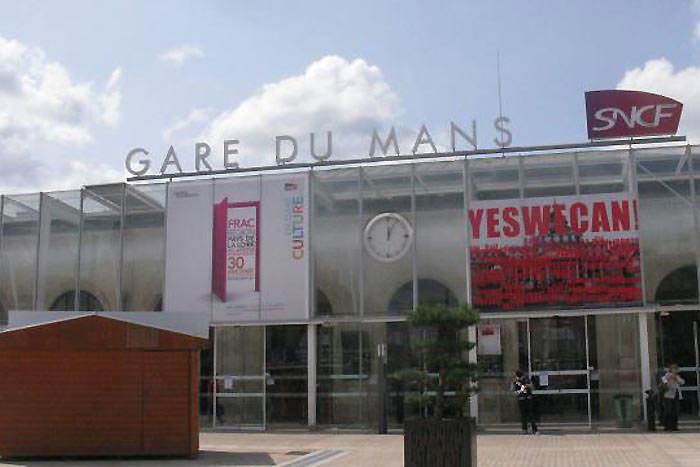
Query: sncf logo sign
615, 114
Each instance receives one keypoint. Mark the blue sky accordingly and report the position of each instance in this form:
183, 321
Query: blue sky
420, 63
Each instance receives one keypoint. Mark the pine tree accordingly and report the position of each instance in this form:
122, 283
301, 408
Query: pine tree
444, 348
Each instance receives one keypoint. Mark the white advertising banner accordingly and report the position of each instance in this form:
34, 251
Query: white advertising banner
188, 247
256, 267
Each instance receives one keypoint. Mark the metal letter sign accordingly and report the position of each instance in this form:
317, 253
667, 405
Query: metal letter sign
615, 113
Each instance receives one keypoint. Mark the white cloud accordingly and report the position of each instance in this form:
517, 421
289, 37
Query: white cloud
695, 10
43, 109
196, 116
659, 76
111, 99
348, 97
179, 55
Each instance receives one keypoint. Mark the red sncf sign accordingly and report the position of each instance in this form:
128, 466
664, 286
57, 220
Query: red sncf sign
614, 114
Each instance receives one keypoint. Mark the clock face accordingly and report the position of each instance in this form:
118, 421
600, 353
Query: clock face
388, 237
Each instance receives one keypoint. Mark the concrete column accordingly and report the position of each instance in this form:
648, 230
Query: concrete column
311, 382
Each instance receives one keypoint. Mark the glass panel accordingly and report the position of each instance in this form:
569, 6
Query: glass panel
440, 234
286, 365
239, 351
549, 175
558, 343
667, 231
388, 222
615, 363
237, 411
342, 375
401, 353
336, 238
240, 375
676, 340
494, 178
100, 247
562, 408
144, 248
502, 349
58, 248
603, 172
206, 383
20, 230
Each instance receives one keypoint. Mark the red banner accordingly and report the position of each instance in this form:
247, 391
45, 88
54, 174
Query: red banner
542, 253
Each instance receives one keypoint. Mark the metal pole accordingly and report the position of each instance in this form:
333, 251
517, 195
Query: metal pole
37, 259
381, 389
697, 364
414, 252
311, 379
214, 381
361, 285
120, 266
588, 370
76, 300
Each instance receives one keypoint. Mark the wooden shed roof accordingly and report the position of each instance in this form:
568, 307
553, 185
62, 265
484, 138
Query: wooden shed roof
94, 331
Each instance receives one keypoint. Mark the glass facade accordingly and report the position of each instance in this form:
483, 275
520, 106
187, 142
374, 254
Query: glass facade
104, 248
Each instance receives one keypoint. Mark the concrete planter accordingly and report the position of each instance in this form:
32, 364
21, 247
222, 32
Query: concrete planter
440, 443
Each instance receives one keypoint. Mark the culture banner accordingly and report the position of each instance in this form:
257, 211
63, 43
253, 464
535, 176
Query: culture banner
237, 248
554, 252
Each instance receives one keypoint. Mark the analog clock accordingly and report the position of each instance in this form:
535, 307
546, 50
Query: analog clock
388, 237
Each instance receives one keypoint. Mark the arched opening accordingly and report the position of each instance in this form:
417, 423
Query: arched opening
681, 285
66, 302
429, 292
323, 304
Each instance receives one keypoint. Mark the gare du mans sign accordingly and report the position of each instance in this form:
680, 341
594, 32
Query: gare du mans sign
287, 148
610, 113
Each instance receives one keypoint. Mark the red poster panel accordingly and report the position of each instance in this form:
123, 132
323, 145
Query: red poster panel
555, 253
218, 277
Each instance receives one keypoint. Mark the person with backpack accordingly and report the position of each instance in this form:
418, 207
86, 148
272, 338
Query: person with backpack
523, 388
671, 392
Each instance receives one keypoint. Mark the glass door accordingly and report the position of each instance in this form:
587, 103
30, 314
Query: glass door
678, 343
239, 378
286, 375
559, 368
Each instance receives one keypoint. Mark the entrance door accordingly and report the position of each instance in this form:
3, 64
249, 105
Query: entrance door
678, 343
239, 389
559, 368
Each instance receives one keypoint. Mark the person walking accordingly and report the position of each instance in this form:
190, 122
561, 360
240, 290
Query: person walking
672, 396
523, 389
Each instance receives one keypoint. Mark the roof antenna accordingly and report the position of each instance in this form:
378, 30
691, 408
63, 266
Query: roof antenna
500, 100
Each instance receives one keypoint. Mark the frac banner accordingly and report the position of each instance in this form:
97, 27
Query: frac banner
563, 252
237, 248
615, 113
236, 254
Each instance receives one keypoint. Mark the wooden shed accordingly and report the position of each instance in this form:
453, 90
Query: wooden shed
98, 386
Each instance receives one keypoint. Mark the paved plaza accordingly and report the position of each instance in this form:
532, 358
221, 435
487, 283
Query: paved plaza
329, 449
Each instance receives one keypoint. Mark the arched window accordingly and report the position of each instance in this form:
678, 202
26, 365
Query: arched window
66, 302
681, 285
323, 305
429, 292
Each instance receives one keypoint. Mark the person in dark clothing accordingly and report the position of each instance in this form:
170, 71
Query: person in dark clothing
522, 387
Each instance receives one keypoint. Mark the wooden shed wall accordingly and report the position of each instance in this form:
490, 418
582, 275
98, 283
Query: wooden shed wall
70, 396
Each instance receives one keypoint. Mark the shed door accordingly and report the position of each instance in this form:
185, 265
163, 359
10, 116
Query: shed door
166, 392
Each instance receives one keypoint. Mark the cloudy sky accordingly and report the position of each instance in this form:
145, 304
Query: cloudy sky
83, 82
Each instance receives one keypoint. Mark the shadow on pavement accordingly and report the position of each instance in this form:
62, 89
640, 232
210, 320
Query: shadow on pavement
205, 458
